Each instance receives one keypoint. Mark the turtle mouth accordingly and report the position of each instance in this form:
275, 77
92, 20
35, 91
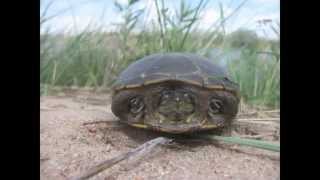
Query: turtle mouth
176, 121
193, 124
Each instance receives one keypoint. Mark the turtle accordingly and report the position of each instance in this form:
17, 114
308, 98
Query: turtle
175, 93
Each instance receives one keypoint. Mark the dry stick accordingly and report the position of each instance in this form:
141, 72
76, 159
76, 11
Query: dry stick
256, 112
141, 151
47, 109
255, 122
258, 119
100, 122
272, 111
110, 124
248, 113
256, 136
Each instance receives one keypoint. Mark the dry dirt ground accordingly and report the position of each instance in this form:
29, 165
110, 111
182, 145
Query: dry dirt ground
68, 147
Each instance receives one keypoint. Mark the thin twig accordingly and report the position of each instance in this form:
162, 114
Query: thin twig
248, 113
259, 136
141, 151
272, 111
44, 159
255, 122
100, 122
257, 112
47, 109
259, 119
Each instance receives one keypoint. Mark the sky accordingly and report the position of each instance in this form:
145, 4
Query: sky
75, 15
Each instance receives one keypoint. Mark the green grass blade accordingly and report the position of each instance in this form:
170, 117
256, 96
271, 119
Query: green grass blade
247, 142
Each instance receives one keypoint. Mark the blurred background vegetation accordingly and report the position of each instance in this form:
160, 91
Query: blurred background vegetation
94, 57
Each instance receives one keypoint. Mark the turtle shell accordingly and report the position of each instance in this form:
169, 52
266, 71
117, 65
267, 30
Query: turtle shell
183, 67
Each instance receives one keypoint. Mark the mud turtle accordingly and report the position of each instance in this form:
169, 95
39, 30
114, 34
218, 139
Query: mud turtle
175, 93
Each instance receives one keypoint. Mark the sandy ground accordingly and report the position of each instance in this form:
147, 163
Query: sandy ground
68, 147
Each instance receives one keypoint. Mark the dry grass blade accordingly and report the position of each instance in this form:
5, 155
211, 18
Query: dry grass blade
139, 151
272, 111
256, 112
101, 122
259, 119
255, 122
110, 124
259, 136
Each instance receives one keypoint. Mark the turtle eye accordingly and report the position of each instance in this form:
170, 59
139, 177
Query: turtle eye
166, 94
136, 105
215, 106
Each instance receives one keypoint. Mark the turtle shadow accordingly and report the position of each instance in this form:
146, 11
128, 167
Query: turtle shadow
188, 140
119, 134
124, 136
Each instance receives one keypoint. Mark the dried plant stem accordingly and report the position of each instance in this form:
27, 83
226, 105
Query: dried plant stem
101, 122
259, 119
140, 151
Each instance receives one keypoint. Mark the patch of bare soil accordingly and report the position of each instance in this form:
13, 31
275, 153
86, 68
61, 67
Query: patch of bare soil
69, 146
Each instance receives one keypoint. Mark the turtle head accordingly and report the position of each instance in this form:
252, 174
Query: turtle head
175, 107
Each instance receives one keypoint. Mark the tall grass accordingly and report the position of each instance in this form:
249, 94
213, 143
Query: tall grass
94, 58
259, 79
80, 62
